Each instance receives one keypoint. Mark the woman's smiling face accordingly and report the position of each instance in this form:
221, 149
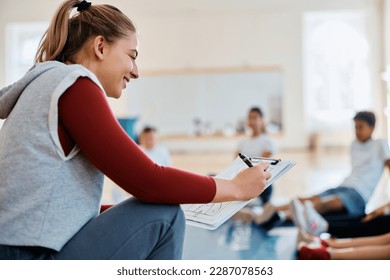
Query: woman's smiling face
118, 64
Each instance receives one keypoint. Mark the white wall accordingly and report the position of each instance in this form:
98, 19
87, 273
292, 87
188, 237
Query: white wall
247, 38
177, 34
219, 101
386, 35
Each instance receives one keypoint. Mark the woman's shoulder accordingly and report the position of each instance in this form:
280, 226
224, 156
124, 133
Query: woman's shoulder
58, 68
68, 74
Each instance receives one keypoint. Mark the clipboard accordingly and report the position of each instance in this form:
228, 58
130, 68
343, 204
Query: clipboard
271, 161
212, 215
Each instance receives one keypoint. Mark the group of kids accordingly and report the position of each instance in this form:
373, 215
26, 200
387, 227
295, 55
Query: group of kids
332, 224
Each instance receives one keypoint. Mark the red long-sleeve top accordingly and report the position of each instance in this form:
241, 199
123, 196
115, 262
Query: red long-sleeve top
86, 119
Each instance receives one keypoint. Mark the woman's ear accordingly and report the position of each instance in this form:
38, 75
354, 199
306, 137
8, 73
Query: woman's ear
99, 45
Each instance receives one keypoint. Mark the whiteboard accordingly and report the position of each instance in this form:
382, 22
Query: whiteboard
220, 101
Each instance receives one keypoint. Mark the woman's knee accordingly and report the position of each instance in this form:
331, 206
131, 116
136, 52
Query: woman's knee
176, 215
165, 213
169, 222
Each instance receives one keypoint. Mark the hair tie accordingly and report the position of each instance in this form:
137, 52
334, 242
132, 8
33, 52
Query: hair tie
83, 5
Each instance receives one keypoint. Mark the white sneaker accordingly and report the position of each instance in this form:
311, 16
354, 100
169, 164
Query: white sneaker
315, 223
310, 240
298, 213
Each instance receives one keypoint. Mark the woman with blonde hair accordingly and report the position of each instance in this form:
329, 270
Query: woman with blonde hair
59, 138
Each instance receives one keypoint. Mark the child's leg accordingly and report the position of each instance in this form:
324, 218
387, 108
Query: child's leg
328, 204
314, 199
383, 239
130, 230
340, 199
286, 207
373, 252
370, 248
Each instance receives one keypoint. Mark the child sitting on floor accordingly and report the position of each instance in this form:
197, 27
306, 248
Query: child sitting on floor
368, 157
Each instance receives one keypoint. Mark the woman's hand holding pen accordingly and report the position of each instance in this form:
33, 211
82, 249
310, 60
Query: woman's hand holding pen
251, 181
247, 184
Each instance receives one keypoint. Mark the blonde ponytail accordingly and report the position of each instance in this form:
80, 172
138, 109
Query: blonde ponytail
54, 39
67, 33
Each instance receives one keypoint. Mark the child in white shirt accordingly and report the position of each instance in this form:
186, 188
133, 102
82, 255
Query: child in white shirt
368, 159
148, 141
259, 144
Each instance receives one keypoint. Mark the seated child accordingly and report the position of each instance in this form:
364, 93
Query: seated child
259, 144
148, 141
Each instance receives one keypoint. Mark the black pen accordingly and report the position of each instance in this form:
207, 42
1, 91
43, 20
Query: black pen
246, 159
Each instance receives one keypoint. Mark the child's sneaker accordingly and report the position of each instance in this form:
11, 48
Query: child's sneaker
307, 253
298, 213
307, 238
315, 223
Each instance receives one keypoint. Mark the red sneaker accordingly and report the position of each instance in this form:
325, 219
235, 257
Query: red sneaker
306, 253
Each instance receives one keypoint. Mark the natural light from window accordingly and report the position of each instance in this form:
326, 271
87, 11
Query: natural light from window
336, 73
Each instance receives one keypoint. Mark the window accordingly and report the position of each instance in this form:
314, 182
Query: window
22, 41
336, 73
